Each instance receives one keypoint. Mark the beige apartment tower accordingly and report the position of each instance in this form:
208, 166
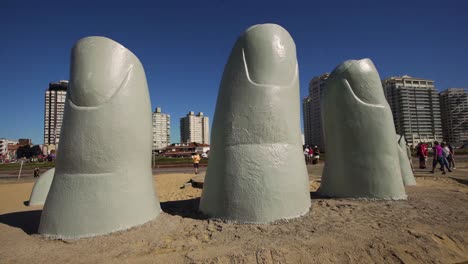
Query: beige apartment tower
313, 134
53, 111
454, 111
195, 128
415, 108
161, 129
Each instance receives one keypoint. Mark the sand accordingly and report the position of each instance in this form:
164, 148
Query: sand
430, 227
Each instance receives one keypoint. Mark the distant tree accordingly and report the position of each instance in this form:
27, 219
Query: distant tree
36, 151
28, 152
23, 152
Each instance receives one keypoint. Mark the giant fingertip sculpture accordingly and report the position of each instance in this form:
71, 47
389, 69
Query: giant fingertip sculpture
362, 157
103, 180
41, 188
405, 167
257, 172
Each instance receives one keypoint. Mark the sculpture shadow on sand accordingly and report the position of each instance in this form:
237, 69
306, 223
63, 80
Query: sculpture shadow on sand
28, 221
184, 208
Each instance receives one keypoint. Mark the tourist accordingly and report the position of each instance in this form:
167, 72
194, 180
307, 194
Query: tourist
316, 155
422, 154
445, 153
311, 155
306, 155
439, 158
36, 172
196, 161
451, 157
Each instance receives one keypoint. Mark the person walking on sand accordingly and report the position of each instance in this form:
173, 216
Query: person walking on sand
422, 154
196, 161
451, 157
316, 155
439, 158
445, 153
306, 155
311, 155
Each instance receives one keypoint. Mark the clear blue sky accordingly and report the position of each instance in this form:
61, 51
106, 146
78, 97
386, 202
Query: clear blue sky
184, 45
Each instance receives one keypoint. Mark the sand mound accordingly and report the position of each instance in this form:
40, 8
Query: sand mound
431, 227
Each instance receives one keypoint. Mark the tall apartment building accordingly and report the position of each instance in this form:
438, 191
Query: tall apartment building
312, 113
161, 129
195, 128
454, 110
53, 111
415, 108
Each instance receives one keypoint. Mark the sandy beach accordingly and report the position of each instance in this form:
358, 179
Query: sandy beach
430, 227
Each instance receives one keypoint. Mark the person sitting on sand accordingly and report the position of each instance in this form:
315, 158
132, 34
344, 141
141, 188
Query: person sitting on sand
196, 161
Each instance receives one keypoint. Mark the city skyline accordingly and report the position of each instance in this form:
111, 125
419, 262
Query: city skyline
184, 50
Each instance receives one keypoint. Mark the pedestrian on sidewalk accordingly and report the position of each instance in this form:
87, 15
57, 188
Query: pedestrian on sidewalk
196, 161
36, 172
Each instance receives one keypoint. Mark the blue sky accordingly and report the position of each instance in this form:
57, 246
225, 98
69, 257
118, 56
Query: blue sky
184, 45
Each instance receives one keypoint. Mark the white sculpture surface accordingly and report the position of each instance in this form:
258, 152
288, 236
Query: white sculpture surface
256, 172
361, 155
103, 180
405, 166
41, 188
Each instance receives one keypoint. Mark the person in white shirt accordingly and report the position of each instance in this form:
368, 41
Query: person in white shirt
306, 155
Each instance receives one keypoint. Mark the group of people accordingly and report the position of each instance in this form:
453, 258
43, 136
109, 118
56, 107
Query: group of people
311, 155
443, 154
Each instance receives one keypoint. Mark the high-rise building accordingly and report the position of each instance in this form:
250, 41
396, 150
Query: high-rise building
415, 108
312, 113
454, 110
161, 129
53, 112
195, 128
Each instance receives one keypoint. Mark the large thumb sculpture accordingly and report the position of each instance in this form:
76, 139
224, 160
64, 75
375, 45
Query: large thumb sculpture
257, 173
362, 157
103, 180
41, 188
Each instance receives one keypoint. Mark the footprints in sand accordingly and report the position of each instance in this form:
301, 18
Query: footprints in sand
452, 246
450, 242
269, 256
259, 256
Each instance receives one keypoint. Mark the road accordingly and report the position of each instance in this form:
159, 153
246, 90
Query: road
28, 174
462, 165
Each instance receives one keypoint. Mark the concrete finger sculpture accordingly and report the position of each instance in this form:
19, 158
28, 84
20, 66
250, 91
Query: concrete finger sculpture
405, 167
103, 181
362, 157
257, 173
41, 188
